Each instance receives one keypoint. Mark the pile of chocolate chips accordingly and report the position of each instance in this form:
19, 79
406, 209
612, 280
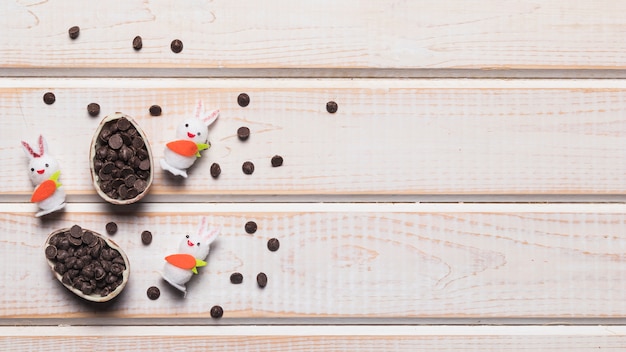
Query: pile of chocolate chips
121, 160
85, 261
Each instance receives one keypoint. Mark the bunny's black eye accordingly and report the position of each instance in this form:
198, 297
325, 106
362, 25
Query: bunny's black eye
198, 244
47, 165
32, 169
187, 236
199, 133
186, 125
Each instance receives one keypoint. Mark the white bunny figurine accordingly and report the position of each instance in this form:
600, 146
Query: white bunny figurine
44, 173
192, 134
192, 253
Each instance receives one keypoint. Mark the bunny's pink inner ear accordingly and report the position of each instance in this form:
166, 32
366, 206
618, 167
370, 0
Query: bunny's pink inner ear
202, 227
41, 145
30, 150
199, 109
209, 119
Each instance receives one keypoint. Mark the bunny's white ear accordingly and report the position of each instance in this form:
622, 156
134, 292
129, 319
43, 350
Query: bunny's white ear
199, 110
209, 235
210, 118
28, 150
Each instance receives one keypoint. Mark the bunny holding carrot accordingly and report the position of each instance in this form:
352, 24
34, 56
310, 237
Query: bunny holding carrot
192, 134
44, 173
192, 253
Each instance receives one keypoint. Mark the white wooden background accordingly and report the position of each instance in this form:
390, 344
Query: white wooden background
431, 212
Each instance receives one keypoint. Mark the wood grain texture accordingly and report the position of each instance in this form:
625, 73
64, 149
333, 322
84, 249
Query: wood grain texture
340, 264
331, 338
388, 137
321, 34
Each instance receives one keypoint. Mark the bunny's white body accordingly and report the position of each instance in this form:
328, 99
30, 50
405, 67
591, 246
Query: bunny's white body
191, 246
44, 172
192, 134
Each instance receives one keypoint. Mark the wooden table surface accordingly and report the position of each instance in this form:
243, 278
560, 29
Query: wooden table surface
467, 195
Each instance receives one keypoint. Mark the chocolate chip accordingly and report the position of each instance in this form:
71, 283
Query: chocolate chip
75, 241
89, 237
144, 165
101, 153
123, 124
176, 46
76, 231
137, 43
93, 109
247, 167
273, 244
243, 133
111, 155
138, 143
126, 153
51, 252
250, 227
277, 161
236, 278
116, 141
140, 185
111, 228
153, 292
155, 110
331, 107
49, 98
74, 32
216, 170
261, 280
146, 237
130, 180
243, 100
99, 273
217, 312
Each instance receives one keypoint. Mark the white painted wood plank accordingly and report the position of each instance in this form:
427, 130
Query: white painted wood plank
316, 34
390, 137
351, 264
312, 338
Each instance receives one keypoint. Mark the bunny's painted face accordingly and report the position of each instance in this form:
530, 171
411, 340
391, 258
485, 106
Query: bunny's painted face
194, 245
193, 129
40, 169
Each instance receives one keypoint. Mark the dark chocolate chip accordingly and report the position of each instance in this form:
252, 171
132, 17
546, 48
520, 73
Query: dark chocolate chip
51, 252
217, 312
60, 268
143, 174
107, 167
62, 255
277, 161
126, 172
236, 278
126, 153
216, 170
273, 244
88, 238
123, 191
243, 100
146, 237
116, 141
74, 32
111, 155
261, 279
140, 185
331, 107
123, 124
117, 269
101, 153
111, 228
93, 109
250, 227
132, 193
153, 292
49, 98
137, 142
119, 260
130, 180
76, 231
97, 165
99, 273
75, 241
144, 165
247, 167
155, 110
137, 43
176, 46
142, 153
243, 133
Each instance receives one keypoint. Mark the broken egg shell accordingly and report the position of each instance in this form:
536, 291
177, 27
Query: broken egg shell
79, 293
92, 152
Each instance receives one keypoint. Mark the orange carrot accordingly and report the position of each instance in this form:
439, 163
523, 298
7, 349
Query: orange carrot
183, 147
43, 191
183, 261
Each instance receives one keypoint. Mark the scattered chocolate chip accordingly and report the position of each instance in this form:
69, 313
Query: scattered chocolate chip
116, 141
261, 279
331, 107
74, 32
51, 251
137, 43
111, 228
49, 98
277, 161
93, 109
243, 100
216, 170
247, 167
273, 244
243, 133
250, 227
236, 278
217, 312
146, 237
176, 46
155, 110
153, 292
